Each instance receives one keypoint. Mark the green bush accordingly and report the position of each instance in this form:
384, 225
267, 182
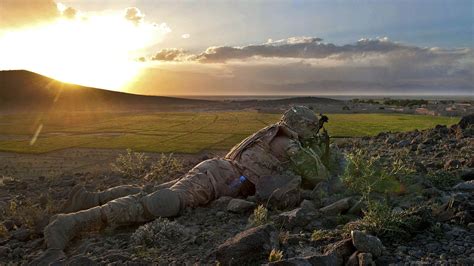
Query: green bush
379, 219
365, 174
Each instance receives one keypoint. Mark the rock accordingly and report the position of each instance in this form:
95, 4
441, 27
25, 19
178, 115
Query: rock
240, 206
298, 217
467, 175
357, 207
266, 185
322, 260
40, 224
4, 251
337, 207
21, 234
452, 164
280, 191
467, 186
466, 121
365, 259
221, 203
80, 260
342, 250
471, 226
115, 256
9, 224
252, 198
403, 143
353, 259
248, 246
308, 204
367, 243
390, 140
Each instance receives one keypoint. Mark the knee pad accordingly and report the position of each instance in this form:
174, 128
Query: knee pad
162, 203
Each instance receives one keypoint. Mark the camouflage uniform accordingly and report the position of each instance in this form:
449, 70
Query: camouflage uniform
291, 145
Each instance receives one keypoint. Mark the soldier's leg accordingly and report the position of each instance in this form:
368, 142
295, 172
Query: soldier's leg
127, 210
207, 181
81, 199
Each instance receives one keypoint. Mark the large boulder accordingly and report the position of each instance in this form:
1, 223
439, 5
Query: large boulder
367, 243
249, 246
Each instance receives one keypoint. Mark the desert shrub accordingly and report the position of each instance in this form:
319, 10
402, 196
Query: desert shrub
166, 168
379, 219
26, 212
260, 216
318, 235
159, 232
132, 164
3, 232
442, 179
365, 174
275, 255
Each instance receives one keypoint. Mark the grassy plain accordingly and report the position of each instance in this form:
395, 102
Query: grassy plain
176, 132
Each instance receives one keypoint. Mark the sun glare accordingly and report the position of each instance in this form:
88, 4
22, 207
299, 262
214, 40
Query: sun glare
97, 50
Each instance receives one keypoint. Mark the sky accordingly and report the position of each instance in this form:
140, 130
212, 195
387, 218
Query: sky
245, 47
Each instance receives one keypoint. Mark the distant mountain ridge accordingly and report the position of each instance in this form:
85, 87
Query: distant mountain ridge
21, 89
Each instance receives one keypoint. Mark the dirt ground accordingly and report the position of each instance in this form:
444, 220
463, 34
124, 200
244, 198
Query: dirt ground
73, 161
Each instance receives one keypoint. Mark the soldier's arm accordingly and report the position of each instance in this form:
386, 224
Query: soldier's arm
306, 163
320, 145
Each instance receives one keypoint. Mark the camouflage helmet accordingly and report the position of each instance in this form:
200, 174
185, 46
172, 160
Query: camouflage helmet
302, 120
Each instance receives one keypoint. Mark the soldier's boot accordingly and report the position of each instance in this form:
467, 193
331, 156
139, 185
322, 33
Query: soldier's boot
81, 199
128, 210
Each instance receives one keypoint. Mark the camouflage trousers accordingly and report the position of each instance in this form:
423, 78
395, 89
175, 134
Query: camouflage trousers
207, 181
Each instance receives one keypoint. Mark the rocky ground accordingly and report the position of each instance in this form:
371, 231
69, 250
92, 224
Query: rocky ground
434, 206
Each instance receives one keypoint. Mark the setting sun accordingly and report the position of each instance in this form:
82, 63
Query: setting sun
98, 50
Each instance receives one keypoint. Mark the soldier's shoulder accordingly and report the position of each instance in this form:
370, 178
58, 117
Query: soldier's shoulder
266, 133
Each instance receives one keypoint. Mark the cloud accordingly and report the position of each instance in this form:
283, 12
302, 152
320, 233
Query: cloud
306, 65
134, 15
186, 36
19, 13
170, 54
301, 47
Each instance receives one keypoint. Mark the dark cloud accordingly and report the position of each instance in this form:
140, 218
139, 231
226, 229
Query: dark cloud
18, 13
170, 54
134, 15
308, 66
303, 47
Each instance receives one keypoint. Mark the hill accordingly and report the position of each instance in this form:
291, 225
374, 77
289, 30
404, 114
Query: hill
20, 89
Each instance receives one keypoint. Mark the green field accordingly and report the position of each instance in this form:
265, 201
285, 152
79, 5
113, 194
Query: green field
176, 132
